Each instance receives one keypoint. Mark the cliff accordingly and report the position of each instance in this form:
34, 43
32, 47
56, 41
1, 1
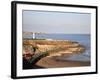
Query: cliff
55, 47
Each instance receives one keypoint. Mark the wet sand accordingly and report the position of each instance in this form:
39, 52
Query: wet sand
49, 62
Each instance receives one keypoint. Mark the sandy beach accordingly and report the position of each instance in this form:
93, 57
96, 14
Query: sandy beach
49, 62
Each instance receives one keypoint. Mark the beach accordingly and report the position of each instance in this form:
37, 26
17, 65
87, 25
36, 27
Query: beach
48, 62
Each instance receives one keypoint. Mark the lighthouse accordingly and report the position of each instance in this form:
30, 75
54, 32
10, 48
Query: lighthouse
34, 36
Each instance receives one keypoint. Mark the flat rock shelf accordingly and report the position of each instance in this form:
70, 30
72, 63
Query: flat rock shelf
46, 53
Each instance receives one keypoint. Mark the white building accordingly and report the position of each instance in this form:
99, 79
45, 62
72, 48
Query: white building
34, 36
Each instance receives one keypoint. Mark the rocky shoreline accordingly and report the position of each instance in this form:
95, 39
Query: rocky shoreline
43, 53
56, 47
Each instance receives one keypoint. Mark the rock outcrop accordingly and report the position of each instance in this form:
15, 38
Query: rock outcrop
54, 47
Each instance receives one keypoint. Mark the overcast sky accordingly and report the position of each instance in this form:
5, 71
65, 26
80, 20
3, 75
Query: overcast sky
56, 22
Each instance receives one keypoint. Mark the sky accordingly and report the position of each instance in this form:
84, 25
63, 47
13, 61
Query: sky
56, 22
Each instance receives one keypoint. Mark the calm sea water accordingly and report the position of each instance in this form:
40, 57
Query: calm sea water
83, 39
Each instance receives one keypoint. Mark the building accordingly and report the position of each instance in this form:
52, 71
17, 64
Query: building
29, 35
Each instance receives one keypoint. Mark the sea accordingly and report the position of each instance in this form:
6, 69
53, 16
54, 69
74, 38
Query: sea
83, 39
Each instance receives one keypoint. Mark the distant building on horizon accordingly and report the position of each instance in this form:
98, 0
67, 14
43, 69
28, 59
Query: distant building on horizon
31, 35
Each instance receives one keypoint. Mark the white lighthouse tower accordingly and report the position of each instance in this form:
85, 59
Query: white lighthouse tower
34, 36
